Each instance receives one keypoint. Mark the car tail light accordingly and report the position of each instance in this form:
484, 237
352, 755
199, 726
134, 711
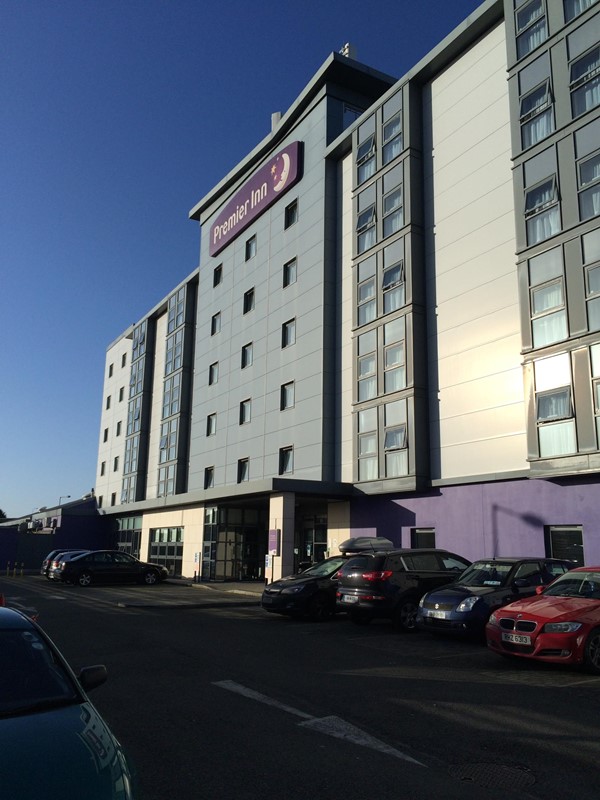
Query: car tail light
381, 575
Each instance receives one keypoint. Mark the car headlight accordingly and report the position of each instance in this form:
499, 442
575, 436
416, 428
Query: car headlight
467, 604
493, 620
293, 589
422, 601
561, 627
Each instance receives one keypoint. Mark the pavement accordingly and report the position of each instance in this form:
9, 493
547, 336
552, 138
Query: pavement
248, 588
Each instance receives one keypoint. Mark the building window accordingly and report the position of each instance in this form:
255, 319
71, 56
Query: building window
422, 537
588, 179
105, 435
288, 333
392, 286
174, 352
246, 355
536, 115
393, 212
367, 445
367, 366
394, 440
531, 26
166, 481
547, 298
591, 258
392, 139
209, 477
132, 446
134, 415
565, 541
121, 394
211, 424
366, 302
289, 272
585, 82
250, 250
108, 402
138, 347
215, 323
286, 460
248, 300
136, 378
542, 211
168, 441
100, 501
176, 310
217, 275
245, 411
366, 229
287, 395
243, 470
554, 408
213, 373
113, 499
118, 431
123, 360
573, 8
291, 214
171, 395
110, 371
365, 159
103, 468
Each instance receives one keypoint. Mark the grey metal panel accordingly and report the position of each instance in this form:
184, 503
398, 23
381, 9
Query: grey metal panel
525, 314
584, 401
575, 285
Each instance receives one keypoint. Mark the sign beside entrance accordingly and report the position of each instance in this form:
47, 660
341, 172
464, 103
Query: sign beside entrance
266, 186
274, 540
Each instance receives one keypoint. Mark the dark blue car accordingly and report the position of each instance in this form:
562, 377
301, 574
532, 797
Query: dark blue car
463, 608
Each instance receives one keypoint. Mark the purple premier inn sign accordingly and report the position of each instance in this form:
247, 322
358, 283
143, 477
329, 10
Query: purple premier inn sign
263, 189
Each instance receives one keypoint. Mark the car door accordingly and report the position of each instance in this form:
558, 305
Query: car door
126, 568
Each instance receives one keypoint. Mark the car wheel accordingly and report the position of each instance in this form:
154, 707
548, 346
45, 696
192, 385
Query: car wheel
84, 578
360, 619
150, 577
320, 608
406, 616
591, 654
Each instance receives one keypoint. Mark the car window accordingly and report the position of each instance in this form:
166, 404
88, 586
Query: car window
576, 584
101, 558
395, 563
360, 563
453, 562
554, 569
122, 558
528, 570
422, 561
486, 573
325, 568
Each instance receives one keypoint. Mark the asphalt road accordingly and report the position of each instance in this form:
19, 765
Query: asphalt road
214, 698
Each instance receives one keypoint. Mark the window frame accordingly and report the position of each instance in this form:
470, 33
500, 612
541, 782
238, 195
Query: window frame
245, 414
290, 214
290, 272
285, 391
288, 333
247, 355
248, 301
243, 470
286, 460
250, 248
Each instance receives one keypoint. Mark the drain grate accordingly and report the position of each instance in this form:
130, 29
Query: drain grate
493, 775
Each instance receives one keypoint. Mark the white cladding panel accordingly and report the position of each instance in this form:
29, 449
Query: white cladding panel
476, 399
156, 406
345, 276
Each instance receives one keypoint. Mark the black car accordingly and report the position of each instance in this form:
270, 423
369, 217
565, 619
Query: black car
463, 608
390, 584
46, 718
52, 556
110, 566
312, 592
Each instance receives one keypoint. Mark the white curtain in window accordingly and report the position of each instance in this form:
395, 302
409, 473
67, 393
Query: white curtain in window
588, 95
396, 464
395, 379
532, 37
547, 297
543, 225
393, 299
549, 329
392, 149
594, 314
575, 7
367, 389
366, 239
557, 439
589, 202
367, 469
554, 406
537, 128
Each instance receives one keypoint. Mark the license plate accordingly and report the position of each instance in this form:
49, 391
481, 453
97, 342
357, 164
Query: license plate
349, 598
516, 638
436, 614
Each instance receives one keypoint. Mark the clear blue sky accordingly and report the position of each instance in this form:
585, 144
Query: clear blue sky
116, 117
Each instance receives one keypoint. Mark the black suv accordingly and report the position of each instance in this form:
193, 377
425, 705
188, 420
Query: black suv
390, 584
312, 592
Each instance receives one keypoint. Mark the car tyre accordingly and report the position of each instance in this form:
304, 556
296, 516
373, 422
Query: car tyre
406, 616
320, 608
151, 577
591, 653
85, 579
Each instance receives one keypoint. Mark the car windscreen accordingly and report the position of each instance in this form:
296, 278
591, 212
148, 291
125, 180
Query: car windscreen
576, 584
324, 568
31, 677
362, 564
486, 573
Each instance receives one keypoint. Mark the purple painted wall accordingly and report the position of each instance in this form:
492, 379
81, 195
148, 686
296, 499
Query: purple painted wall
486, 519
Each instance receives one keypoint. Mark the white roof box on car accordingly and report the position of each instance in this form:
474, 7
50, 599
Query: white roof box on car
361, 543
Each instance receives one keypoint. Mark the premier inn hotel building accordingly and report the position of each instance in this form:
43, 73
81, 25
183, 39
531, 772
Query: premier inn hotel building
394, 327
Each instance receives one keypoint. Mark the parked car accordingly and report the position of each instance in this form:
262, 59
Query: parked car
54, 570
560, 625
390, 585
53, 554
46, 718
312, 591
110, 566
463, 608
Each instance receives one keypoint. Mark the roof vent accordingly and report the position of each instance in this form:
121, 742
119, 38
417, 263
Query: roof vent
348, 50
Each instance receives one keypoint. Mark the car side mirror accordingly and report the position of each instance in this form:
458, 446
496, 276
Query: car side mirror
90, 677
539, 589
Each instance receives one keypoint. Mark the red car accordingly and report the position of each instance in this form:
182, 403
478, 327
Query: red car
561, 624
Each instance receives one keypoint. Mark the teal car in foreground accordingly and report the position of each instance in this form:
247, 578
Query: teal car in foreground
53, 742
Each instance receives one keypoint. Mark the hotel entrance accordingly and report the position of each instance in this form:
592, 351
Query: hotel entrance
235, 544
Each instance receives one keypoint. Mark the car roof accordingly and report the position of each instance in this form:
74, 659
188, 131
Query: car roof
404, 551
12, 619
515, 559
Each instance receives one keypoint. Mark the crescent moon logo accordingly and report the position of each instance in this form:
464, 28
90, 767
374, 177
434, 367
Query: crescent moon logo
281, 177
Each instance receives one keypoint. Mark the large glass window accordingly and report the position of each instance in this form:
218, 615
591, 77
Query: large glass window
366, 300
367, 445
392, 283
588, 177
171, 395
392, 139
585, 82
393, 212
554, 408
365, 229
394, 356
168, 441
591, 258
166, 480
367, 366
537, 115
395, 444
136, 378
176, 310
575, 7
365, 159
547, 298
531, 26
174, 352
542, 211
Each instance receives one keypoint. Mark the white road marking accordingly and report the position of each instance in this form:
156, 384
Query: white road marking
332, 726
